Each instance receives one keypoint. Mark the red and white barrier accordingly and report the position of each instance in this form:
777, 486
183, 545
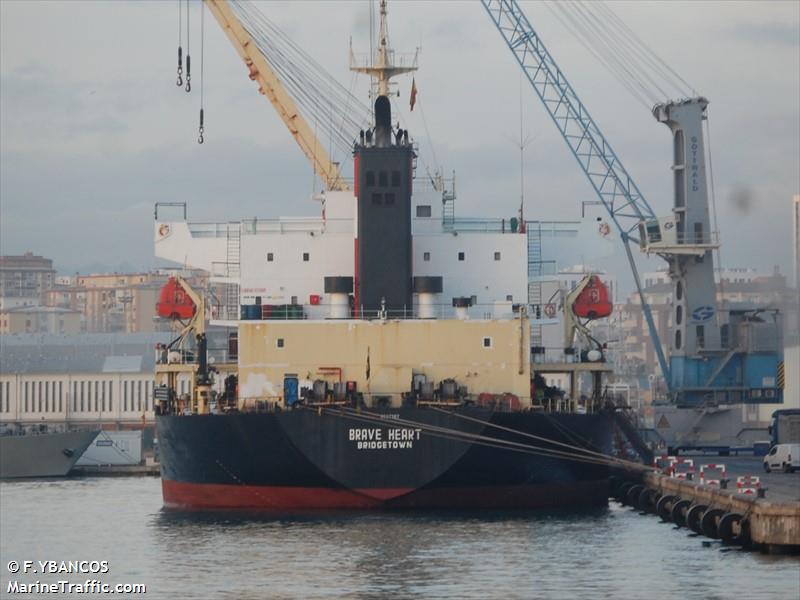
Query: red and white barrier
721, 472
676, 464
663, 463
748, 484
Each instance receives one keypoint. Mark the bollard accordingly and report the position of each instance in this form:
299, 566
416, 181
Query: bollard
761, 492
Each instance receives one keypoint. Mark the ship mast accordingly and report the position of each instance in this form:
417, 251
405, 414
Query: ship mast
382, 68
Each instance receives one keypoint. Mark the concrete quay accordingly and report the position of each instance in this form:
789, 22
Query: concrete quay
770, 524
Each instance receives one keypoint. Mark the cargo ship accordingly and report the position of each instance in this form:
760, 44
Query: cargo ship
383, 356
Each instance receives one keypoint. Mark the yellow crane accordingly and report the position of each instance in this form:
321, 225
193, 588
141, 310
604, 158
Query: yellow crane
271, 86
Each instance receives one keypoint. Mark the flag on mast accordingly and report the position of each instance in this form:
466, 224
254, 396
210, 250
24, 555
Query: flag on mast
413, 100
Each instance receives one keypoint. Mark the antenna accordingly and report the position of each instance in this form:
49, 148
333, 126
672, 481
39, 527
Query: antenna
380, 65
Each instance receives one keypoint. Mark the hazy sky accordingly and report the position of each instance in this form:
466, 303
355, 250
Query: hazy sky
94, 130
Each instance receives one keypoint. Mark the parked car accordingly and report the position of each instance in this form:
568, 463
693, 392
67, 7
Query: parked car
784, 457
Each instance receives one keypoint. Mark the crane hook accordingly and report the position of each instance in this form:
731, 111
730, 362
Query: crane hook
179, 82
188, 73
202, 129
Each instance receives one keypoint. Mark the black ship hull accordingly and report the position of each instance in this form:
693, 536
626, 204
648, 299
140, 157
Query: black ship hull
310, 459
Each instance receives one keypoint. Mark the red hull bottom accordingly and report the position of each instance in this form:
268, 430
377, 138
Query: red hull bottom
182, 495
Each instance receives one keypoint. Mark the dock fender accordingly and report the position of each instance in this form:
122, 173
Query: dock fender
648, 498
678, 512
734, 529
632, 497
694, 516
622, 491
710, 521
664, 506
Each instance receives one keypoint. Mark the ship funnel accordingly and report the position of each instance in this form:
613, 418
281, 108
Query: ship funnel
427, 289
462, 305
338, 290
383, 122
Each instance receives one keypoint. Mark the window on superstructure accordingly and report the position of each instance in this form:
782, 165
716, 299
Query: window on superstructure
370, 178
306, 256
279, 343
497, 256
395, 178
461, 256
423, 211
270, 257
487, 342
388, 198
377, 198
383, 178
426, 256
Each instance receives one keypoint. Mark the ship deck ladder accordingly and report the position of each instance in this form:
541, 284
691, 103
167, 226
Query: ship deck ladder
534, 231
234, 239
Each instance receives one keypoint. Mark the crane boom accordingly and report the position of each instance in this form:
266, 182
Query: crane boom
271, 86
616, 189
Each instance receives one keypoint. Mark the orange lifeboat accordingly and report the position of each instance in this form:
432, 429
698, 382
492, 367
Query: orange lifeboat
174, 302
593, 302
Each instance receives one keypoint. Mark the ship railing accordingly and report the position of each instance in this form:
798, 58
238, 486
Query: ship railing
441, 311
555, 354
394, 59
260, 404
557, 404
310, 225
445, 311
210, 230
468, 224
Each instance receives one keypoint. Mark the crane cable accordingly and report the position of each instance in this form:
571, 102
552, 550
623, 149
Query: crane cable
577, 453
629, 34
714, 214
201, 130
188, 58
632, 49
621, 51
620, 72
314, 90
179, 81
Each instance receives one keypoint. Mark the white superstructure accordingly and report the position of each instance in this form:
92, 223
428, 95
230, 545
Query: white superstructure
285, 261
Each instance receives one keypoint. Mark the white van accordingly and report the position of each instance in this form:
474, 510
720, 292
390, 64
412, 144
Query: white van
784, 457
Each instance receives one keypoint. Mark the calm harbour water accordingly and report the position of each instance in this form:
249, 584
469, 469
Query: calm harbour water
613, 553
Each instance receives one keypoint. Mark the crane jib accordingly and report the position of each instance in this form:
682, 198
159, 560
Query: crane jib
616, 189
618, 192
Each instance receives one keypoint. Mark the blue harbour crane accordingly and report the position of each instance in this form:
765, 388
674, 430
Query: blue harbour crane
716, 356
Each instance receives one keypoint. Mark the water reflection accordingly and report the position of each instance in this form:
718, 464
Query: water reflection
613, 552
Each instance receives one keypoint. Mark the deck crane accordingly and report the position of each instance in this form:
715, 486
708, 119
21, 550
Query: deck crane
716, 357
271, 86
